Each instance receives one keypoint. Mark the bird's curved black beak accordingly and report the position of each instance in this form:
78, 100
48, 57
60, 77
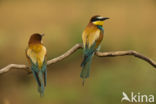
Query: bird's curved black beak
105, 18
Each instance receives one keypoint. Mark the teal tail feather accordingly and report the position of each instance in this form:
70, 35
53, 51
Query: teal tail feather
40, 76
86, 68
41, 88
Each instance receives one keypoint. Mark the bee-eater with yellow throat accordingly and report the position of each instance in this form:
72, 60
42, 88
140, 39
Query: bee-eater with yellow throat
36, 54
92, 37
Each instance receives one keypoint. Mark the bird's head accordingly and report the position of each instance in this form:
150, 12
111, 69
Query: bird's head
36, 38
98, 20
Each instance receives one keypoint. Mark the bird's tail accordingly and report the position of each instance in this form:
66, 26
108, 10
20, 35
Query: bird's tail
41, 87
86, 67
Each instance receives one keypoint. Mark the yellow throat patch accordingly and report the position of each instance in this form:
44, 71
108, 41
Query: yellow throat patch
98, 22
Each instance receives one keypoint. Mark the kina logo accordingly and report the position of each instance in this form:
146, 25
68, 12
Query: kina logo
137, 98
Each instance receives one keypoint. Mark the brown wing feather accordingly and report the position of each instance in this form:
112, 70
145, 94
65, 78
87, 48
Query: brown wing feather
99, 40
28, 59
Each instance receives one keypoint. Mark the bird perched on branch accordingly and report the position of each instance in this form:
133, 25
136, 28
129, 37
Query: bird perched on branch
92, 37
36, 54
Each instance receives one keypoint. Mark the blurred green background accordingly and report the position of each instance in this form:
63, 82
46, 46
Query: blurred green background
132, 27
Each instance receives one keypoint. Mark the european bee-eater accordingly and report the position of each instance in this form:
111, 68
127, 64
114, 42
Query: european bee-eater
92, 37
36, 53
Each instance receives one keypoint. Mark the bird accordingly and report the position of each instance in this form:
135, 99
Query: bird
36, 54
92, 37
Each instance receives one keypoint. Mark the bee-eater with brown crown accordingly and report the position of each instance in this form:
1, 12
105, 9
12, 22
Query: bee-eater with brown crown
92, 37
36, 53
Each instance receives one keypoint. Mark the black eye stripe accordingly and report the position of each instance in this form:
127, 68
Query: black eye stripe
97, 19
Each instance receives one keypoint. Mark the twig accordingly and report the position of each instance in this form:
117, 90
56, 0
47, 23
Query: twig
74, 49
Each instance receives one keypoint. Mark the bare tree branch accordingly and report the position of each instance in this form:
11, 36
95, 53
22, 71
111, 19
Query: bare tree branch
124, 53
74, 49
13, 66
66, 54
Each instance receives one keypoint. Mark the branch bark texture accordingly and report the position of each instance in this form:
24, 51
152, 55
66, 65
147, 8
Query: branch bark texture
74, 49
